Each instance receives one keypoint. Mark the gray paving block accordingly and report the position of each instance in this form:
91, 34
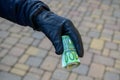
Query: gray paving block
117, 13
94, 34
38, 35
3, 34
42, 53
60, 75
82, 69
104, 60
11, 40
9, 60
4, 27
111, 45
31, 76
8, 76
26, 40
111, 76
34, 61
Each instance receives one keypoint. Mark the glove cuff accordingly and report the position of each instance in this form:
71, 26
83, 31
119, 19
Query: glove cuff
35, 13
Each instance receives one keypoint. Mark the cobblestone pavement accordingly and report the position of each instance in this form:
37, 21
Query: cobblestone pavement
29, 55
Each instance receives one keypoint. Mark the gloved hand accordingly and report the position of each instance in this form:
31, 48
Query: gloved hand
54, 26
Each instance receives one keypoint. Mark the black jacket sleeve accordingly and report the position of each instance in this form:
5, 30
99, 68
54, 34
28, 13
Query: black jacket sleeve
21, 11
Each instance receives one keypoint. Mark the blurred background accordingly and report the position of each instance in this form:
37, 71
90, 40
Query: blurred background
29, 55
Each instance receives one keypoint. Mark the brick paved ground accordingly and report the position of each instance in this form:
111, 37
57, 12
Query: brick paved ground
28, 55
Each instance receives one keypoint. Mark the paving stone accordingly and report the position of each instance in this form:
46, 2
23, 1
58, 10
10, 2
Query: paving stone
1, 40
87, 58
18, 72
94, 33
97, 44
31, 76
88, 24
11, 40
116, 1
113, 22
4, 34
38, 35
114, 70
36, 52
86, 18
107, 2
3, 52
23, 58
118, 61
73, 76
52, 53
111, 76
106, 31
99, 27
26, 34
45, 44
99, 21
1, 20
106, 37
36, 71
60, 75
20, 45
4, 67
36, 42
82, 69
83, 30
107, 18
84, 78
47, 76
116, 13
16, 51
86, 47
96, 70
104, 60
5, 45
32, 51
96, 13
42, 53
104, 7
116, 38
15, 35
106, 52
115, 6
95, 16
108, 12
111, 45
117, 64
15, 29
26, 40
50, 63
7, 22
22, 67
115, 54
26, 29
95, 51
86, 40
112, 27
8, 76
9, 60
4, 27
34, 61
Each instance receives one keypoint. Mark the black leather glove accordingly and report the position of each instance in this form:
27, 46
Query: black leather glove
54, 26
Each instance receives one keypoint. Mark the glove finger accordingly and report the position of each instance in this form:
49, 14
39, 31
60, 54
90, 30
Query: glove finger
75, 37
56, 39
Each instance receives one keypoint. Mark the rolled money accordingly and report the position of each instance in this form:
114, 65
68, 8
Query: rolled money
70, 58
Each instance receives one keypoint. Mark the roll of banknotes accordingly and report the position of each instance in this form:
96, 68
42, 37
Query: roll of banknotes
70, 58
